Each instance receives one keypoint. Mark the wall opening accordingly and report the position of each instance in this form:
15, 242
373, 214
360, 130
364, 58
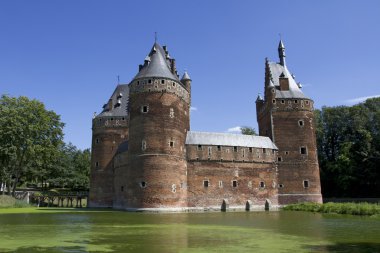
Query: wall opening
206, 183
224, 206
306, 183
267, 205
234, 183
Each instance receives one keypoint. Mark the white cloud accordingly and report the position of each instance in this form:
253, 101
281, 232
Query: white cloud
360, 99
193, 108
234, 129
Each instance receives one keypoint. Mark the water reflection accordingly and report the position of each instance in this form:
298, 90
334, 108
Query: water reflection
188, 232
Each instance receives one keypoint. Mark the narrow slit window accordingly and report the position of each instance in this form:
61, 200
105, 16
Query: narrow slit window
171, 144
262, 184
306, 183
219, 148
235, 149
209, 151
234, 183
206, 183
144, 109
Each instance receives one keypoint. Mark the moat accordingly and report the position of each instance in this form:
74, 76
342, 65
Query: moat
55, 230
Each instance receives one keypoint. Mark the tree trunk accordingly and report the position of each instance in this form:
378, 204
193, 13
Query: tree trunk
14, 186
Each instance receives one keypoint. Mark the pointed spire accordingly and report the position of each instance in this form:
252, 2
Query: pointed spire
281, 53
185, 76
259, 98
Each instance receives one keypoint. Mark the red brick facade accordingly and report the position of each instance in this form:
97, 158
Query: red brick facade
145, 161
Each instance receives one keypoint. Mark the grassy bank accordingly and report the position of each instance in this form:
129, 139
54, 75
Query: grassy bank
10, 202
339, 208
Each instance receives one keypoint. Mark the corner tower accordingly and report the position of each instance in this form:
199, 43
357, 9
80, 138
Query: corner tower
109, 131
286, 115
159, 105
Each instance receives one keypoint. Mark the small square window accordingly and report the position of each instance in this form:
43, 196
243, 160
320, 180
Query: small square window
199, 147
262, 184
162, 81
234, 183
171, 144
219, 148
301, 123
144, 109
306, 183
235, 149
250, 150
274, 101
282, 101
303, 150
206, 183
279, 159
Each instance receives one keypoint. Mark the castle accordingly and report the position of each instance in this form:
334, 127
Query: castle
145, 158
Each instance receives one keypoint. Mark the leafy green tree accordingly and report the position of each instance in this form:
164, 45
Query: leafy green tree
29, 138
248, 130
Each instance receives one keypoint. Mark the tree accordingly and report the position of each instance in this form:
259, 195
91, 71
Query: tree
29, 138
348, 149
248, 130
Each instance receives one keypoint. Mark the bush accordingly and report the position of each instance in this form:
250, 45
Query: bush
339, 208
8, 202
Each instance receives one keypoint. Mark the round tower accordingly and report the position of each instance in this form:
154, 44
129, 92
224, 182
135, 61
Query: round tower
286, 116
159, 104
109, 130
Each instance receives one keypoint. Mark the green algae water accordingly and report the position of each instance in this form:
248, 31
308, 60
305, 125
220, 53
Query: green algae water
57, 230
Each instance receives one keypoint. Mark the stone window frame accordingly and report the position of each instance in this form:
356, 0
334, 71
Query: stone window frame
234, 183
301, 123
143, 145
143, 184
220, 184
306, 183
206, 183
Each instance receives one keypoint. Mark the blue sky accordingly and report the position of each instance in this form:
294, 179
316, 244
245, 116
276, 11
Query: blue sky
68, 54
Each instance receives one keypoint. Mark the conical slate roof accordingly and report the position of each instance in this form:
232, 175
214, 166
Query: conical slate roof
185, 76
157, 65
